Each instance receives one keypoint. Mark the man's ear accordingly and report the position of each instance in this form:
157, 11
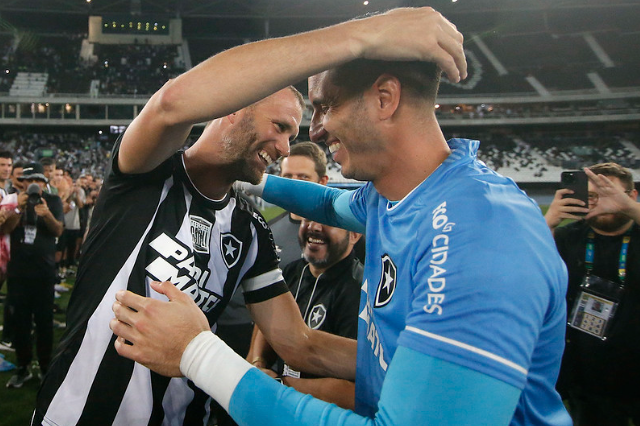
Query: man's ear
354, 237
387, 90
323, 180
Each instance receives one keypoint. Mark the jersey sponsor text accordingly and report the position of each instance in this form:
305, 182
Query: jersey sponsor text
439, 253
176, 264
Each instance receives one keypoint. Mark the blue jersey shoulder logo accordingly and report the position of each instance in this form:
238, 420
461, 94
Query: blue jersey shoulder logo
387, 283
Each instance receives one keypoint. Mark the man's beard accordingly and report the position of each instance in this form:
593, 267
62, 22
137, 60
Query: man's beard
608, 222
238, 146
334, 252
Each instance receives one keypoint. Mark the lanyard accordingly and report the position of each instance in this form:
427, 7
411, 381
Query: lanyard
622, 262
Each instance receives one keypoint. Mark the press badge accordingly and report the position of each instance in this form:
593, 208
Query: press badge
595, 306
30, 233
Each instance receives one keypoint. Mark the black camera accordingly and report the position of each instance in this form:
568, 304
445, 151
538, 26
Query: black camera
33, 199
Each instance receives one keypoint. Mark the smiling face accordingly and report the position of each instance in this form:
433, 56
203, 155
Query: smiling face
5, 168
261, 134
323, 246
345, 126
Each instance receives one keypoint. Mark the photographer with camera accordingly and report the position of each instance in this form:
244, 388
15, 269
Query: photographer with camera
34, 225
601, 365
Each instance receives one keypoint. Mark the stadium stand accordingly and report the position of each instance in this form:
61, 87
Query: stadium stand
529, 66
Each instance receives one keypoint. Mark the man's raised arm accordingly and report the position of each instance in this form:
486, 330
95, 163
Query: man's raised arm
235, 78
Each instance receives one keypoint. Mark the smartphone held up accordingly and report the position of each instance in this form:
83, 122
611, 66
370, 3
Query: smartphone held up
578, 182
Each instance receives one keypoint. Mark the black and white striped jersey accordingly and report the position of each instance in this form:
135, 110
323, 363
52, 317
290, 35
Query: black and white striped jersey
153, 226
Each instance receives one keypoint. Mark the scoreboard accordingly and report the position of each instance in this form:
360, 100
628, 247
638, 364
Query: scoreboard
118, 24
128, 29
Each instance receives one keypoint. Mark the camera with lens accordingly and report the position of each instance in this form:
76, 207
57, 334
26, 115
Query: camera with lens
33, 199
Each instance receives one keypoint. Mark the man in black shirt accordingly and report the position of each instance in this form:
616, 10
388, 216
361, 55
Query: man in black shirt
325, 284
601, 365
306, 161
34, 226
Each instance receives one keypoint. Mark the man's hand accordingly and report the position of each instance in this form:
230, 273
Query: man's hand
421, 34
611, 199
156, 332
42, 209
4, 213
22, 200
564, 208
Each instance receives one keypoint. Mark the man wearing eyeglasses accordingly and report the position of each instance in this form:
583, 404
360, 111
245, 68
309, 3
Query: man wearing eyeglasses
601, 364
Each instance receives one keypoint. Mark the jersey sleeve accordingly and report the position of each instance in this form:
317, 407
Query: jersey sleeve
118, 178
485, 280
323, 204
263, 280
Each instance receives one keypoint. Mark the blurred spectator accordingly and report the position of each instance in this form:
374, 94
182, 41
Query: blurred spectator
76, 153
15, 184
601, 365
8, 202
72, 235
34, 226
6, 164
306, 161
49, 168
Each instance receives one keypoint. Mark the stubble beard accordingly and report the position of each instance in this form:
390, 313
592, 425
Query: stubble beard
365, 144
238, 146
333, 253
609, 222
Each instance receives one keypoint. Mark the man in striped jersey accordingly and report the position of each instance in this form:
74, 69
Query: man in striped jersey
167, 215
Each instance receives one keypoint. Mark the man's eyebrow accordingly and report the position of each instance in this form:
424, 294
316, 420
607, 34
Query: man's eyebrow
286, 124
288, 127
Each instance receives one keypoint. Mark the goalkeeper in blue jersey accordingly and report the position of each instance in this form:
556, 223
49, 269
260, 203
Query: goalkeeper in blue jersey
462, 312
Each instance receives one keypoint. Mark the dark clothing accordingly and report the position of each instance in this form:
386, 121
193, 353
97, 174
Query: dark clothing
597, 373
285, 235
32, 301
330, 302
71, 239
31, 277
151, 226
37, 258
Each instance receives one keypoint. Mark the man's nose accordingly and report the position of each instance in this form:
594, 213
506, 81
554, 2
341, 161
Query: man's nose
282, 146
317, 133
314, 226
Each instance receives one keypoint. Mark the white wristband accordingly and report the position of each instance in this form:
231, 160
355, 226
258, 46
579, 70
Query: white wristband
213, 366
250, 188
